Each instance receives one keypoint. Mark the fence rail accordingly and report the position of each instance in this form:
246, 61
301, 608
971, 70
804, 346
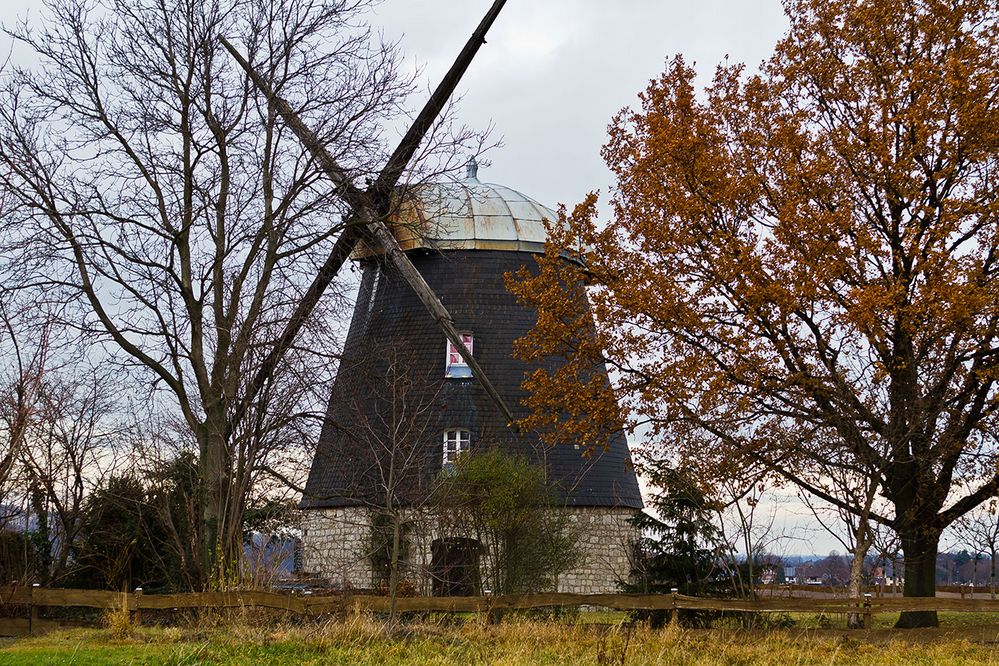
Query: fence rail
36, 598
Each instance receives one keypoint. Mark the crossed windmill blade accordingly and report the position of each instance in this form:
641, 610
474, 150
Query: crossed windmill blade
369, 208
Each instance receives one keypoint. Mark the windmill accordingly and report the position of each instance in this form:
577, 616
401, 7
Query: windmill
488, 230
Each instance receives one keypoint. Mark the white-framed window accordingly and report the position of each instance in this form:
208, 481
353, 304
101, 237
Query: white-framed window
456, 442
455, 365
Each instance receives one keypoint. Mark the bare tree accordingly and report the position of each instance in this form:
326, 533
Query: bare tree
888, 545
176, 208
854, 487
979, 531
397, 418
71, 449
745, 529
24, 360
59, 426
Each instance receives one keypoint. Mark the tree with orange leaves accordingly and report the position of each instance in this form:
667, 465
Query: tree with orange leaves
802, 267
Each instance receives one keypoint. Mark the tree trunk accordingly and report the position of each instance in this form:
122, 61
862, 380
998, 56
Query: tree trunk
919, 547
992, 574
216, 554
855, 620
394, 566
41, 536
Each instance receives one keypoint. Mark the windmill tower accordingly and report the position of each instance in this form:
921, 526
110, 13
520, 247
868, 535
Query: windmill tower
462, 237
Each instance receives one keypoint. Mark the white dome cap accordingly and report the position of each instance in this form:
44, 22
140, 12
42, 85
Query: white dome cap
469, 215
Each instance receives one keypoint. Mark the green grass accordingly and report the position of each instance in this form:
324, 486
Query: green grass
360, 640
948, 620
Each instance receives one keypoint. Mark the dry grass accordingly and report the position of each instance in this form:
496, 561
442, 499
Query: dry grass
360, 639
118, 620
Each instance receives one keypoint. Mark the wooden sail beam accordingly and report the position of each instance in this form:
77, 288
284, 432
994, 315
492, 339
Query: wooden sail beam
369, 209
382, 188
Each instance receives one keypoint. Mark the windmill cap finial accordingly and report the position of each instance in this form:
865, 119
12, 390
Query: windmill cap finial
471, 169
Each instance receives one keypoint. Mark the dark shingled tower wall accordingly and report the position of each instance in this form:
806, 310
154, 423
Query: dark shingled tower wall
388, 313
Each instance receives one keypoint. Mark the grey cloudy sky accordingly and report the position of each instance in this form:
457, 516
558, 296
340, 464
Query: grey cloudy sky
552, 75
555, 71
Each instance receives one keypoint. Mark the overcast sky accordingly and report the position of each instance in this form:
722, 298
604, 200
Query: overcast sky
554, 72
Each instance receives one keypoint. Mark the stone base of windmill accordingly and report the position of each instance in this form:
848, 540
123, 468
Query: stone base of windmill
336, 547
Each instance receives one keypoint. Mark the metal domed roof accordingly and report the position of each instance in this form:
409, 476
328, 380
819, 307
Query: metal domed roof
469, 215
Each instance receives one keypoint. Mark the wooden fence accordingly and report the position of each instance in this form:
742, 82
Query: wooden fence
31, 600
875, 590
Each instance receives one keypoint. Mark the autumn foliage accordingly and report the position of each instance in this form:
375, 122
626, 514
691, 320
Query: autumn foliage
801, 266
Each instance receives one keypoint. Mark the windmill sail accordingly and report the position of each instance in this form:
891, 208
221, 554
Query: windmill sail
369, 208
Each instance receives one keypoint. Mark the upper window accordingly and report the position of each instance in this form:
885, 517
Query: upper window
455, 443
456, 366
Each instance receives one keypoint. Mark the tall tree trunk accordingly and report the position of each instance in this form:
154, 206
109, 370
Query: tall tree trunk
217, 552
854, 620
919, 547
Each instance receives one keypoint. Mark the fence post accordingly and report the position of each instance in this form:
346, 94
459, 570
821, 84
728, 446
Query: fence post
137, 612
868, 621
673, 614
494, 615
33, 618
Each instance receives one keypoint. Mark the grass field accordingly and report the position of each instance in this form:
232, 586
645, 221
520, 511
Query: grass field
360, 640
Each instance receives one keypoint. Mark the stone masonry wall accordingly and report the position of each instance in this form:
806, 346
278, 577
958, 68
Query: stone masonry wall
605, 539
335, 543
334, 546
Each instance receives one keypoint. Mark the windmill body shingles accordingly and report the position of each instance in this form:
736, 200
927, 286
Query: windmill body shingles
389, 314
